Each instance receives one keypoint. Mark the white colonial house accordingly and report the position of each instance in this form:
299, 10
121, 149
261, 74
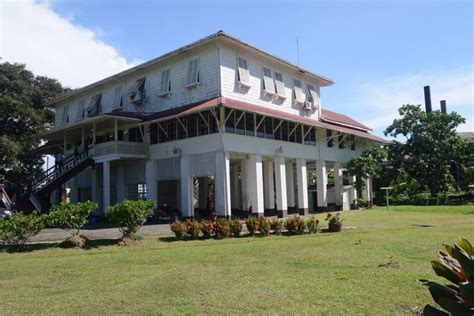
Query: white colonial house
215, 125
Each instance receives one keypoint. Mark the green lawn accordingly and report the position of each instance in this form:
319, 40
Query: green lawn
341, 274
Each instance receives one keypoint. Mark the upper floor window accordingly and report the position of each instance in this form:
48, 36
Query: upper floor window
353, 142
165, 87
137, 93
341, 141
193, 78
313, 97
65, 115
329, 137
268, 85
243, 72
118, 98
95, 106
298, 92
80, 110
279, 85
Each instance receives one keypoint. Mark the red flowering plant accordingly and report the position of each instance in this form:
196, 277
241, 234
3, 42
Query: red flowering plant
312, 225
193, 228
295, 225
222, 229
178, 228
235, 227
276, 225
263, 226
207, 229
252, 224
334, 222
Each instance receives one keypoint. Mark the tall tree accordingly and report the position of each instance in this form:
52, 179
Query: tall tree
23, 114
431, 147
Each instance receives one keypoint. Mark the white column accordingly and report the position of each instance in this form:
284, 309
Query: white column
255, 184
367, 191
322, 181
186, 188
106, 185
222, 184
353, 191
290, 184
268, 185
338, 184
120, 184
280, 187
244, 170
150, 178
203, 192
302, 178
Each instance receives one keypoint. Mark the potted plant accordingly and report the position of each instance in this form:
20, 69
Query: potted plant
334, 222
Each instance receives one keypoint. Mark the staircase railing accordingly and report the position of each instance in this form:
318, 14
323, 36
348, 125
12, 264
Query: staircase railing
57, 171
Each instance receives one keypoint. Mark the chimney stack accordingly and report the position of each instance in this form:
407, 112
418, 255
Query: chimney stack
427, 99
443, 106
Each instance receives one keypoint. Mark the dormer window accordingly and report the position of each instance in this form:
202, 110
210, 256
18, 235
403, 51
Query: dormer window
243, 72
165, 86
193, 78
95, 106
313, 97
279, 85
80, 110
268, 85
118, 98
298, 95
137, 93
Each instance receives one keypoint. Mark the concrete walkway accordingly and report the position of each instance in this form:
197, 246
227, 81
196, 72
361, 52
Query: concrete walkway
58, 235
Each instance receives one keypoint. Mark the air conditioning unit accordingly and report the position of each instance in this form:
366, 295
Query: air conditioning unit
308, 105
138, 96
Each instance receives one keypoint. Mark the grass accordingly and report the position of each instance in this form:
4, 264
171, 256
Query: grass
371, 269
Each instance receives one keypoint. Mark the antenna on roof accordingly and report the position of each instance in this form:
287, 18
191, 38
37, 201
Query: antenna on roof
297, 51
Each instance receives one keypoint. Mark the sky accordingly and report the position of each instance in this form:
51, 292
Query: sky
379, 53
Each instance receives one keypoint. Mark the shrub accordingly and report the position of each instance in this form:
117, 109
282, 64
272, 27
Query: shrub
222, 229
312, 224
193, 228
130, 215
18, 228
178, 228
359, 203
72, 216
207, 229
252, 224
276, 225
295, 225
456, 264
235, 227
334, 219
263, 226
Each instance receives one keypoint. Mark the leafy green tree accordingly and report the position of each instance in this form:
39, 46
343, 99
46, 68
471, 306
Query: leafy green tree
71, 216
130, 216
366, 165
431, 147
23, 114
16, 229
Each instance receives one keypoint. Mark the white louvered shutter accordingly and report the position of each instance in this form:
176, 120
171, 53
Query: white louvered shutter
299, 96
165, 81
65, 114
193, 72
118, 98
268, 85
313, 96
280, 86
80, 110
244, 76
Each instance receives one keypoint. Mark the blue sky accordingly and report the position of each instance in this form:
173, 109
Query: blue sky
380, 53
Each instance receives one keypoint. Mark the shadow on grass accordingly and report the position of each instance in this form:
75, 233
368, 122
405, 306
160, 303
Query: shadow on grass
90, 244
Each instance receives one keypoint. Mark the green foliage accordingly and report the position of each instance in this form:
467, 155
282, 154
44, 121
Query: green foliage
456, 264
221, 228
130, 215
18, 228
252, 225
276, 224
295, 225
366, 165
178, 228
193, 228
207, 229
23, 114
334, 219
72, 216
235, 227
313, 225
431, 147
263, 226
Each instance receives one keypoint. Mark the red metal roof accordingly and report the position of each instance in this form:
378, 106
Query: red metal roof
263, 110
343, 119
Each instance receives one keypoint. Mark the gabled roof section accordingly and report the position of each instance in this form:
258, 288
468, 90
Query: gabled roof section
341, 119
208, 39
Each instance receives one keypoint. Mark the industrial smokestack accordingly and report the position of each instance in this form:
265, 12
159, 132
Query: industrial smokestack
443, 106
427, 99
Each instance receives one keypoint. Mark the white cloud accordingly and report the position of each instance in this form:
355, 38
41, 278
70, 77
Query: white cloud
381, 99
32, 33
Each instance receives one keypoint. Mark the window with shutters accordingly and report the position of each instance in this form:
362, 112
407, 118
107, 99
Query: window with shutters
341, 141
329, 137
279, 85
165, 86
243, 72
193, 78
353, 142
137, 92
95, 106
313, 97
65, 115
298, 92
118, 98
268, 85
80, 110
